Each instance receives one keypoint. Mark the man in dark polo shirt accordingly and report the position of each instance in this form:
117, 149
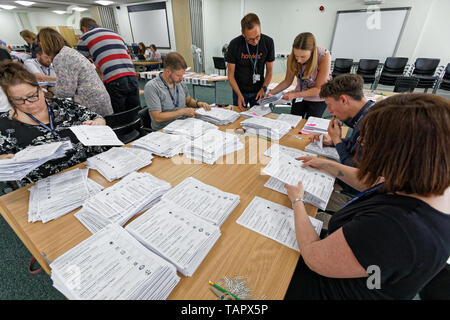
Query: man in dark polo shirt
247, 56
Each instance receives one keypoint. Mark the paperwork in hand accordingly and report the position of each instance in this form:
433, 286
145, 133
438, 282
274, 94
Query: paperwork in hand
112, 265
96, 136
175, 234
30, 158
329, 152
205, 201
218, 116
292, 119
120, 202
57, 195
276, 149
266, 127
162, 144
256, 111
118, 162
274, 99
316, 125
190, 127
212, 145
318, 185
273, 221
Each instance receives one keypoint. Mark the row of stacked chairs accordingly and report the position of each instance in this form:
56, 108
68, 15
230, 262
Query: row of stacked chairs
425, 73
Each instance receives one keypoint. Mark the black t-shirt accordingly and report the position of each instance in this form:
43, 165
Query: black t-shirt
237, 54
406, 238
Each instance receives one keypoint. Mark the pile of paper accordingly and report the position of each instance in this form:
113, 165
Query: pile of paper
256, 111
118, 162
274, 99
30, 158
57, 195
203, 200
212, 145
329, 152
190, 127
316, 125
218, 116
266, 127
276, 149
96, 135
291, 119
112, 265
175, 234
162, 144
120, 202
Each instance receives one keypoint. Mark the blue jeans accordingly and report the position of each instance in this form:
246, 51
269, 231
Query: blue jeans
248, 98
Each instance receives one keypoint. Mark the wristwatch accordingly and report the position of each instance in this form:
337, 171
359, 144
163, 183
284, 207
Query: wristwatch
264, 88
297, 200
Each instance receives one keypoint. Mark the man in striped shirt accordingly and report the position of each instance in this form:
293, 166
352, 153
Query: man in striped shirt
110, 54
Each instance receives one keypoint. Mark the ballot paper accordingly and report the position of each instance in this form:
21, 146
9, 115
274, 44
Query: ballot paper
205, 201
96, 135
117, 204
162, 144
112, 265
30, 158
266, 127
256, 111
317, 184
57, 195
175, 234
276, 149
273, 221
119, 161
218, 116
316, 125
292, 119
190, 127
329, 152
212, 145
274, 99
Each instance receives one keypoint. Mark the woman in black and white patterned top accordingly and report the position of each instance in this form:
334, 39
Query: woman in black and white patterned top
35, 120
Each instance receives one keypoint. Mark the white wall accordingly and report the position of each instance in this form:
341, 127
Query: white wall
9, 31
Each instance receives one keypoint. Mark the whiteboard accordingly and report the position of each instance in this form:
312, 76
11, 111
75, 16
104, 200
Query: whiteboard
149, 25
368, 34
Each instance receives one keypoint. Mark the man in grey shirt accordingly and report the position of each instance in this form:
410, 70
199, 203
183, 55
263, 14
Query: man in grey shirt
167, 97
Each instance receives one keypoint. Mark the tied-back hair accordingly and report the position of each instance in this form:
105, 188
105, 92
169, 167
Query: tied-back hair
51, 41
304, 41
174, 62
406, 140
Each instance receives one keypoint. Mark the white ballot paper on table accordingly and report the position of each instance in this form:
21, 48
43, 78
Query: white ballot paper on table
276, 149
190, 127
316, 125
273, 221
96, 135
274, 99
162, 144
291, 119
256, 111
329, 152
218, 116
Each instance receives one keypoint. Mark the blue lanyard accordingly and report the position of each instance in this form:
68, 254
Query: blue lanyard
250, 56
364, 193
300, 77
50, 117
168, 89
43, 70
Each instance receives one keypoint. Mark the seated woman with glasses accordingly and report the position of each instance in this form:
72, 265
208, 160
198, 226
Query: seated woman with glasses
34, 120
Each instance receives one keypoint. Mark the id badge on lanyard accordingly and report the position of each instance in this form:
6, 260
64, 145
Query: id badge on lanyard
256, 77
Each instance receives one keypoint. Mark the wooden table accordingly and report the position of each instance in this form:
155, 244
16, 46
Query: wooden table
145, 63
239, 251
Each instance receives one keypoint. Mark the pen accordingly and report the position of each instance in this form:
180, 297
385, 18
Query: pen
221, 296
223, 290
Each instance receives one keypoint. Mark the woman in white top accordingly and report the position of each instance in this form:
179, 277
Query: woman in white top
311, 66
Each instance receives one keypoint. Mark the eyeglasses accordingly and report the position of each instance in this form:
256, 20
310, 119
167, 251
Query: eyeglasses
254, 39
21, 101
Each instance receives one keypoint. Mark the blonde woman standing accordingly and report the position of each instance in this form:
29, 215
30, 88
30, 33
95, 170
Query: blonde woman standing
311, 65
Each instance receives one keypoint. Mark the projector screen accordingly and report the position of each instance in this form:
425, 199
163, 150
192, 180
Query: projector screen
149, 24
368, 34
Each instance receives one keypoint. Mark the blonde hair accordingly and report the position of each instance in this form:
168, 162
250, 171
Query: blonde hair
28, 34
304, 41
51, 41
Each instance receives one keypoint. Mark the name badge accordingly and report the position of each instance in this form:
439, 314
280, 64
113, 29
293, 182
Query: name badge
256, 78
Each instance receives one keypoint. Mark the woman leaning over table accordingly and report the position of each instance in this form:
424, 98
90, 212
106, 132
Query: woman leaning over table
34, 120
311, 65
393, 238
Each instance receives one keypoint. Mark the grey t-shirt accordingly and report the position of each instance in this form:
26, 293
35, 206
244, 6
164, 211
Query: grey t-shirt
157, 98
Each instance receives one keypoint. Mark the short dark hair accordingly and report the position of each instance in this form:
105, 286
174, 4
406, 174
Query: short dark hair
87, 22
174, 61
349, 84
38, 50
249, 21
406, 140
153, 46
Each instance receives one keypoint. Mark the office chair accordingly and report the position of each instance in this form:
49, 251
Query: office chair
405, 84
146, 120
219, 63
424, 70
444, 83
342, 66
126, 124
393, 67
367, 69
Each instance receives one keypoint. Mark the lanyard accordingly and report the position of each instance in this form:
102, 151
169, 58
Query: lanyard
170, 93
43, 70
50, 117
300, 78
364, 193
250, 56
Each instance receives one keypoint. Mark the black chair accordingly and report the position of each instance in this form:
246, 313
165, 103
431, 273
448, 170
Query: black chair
342, 66
126, 125
393, 68
405, 84
146, 120
219, 63
424, 70
445, 82
367, 69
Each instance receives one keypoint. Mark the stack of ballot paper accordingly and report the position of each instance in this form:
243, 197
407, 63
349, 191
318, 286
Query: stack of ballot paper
203, 200
329, 152
30, 158
112, 265
292, 119
273, 221
266, 127
218, 116
316, 125
118, 162
317, 184
96, 135
57, 195
276, 149
256, 111
176, 234
190, 127
120, 202
162, 144
274, 99
212, 145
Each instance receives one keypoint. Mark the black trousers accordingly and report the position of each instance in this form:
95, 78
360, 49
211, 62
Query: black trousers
124, 93
308, 109
439, 287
